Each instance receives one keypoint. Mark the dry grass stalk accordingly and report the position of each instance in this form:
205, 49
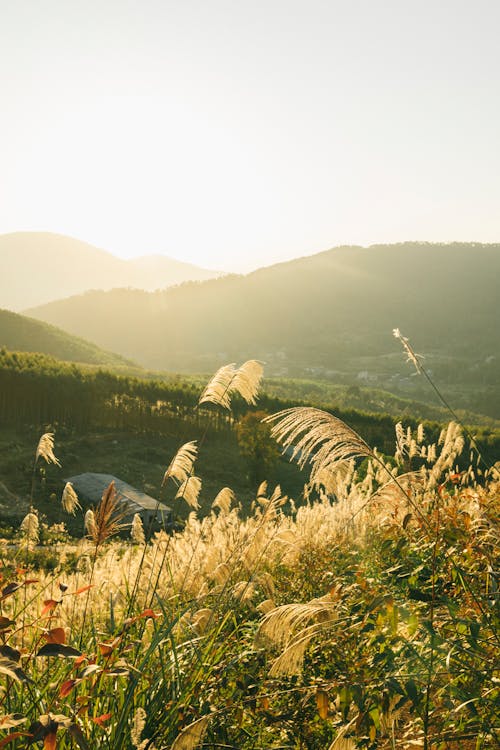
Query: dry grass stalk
288, 625
45, 449
189, 491
413, 357
137, 530
452, 441
192, 735
278, 624
316, 437
137, 728
69, 499
224, 500
108, 517
182, 463
229, 379
30, 529
89, 523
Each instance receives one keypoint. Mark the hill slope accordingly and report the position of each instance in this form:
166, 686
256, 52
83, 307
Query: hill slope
20, 333
37, 267
329, 314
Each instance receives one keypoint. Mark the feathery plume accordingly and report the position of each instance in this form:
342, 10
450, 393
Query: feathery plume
316, 437
189, 491
182, 463
69, 499
192, 735
217, 391
244, 591
29, 529
341, 742
453, 443
278, 624
107, 517
265, 606
137, 728
224, 499
137, 530
45, 449
229, 379
247, 380
412, 356
89, 523
262, 490
201, 618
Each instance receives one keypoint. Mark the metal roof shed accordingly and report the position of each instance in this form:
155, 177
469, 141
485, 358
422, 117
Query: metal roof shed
90, 488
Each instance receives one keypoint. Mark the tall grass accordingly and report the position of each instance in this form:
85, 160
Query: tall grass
365, 616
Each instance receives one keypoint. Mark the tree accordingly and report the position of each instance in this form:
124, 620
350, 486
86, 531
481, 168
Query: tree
256, 445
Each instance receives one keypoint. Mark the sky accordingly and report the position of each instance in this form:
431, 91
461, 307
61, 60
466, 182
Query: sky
238, 133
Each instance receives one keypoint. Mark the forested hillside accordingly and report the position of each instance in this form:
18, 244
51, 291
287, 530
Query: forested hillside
38, 392
327, 315
20, 333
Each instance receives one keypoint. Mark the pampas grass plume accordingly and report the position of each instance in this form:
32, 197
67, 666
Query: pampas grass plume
189, 491
30, 529
229, 379
137, 530
45, 449
224, 500
192, 735
89, 523
182, 463
69, 499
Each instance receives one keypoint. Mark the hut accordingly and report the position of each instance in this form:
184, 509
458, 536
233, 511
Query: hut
90, 488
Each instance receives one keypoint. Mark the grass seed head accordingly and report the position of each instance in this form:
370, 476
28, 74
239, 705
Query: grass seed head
69, 499
45, 449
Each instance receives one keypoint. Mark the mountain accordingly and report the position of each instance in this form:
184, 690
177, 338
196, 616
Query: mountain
37, 267
327, 315
22, 334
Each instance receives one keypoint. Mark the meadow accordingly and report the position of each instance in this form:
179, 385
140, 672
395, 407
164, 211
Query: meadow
365, 616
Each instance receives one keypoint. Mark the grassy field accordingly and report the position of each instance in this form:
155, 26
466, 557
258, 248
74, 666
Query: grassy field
364, 617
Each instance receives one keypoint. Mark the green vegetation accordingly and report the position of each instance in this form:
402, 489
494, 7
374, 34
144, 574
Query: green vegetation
125, 425
24, 334
366, 619
327, 316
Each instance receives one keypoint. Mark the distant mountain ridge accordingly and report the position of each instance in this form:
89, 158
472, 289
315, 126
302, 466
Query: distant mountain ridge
38, 267
22, 334
327, 314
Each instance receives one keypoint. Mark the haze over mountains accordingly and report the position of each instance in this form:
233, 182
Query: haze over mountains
22, 334
329, 314
38, 267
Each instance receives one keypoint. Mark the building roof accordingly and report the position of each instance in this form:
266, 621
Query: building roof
90, 487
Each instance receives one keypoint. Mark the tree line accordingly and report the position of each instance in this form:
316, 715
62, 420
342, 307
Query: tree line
41, 390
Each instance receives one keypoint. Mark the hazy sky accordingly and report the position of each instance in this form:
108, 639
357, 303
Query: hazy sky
236, 133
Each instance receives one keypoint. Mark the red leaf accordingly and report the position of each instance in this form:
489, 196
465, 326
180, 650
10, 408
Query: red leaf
66, 688
49, 605
56, 635
149, 613
80, 659
80, 591
49, 742
106, 648
30, 580
101, 720
13, 736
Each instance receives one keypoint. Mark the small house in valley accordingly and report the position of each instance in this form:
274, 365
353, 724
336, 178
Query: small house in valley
90, 488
